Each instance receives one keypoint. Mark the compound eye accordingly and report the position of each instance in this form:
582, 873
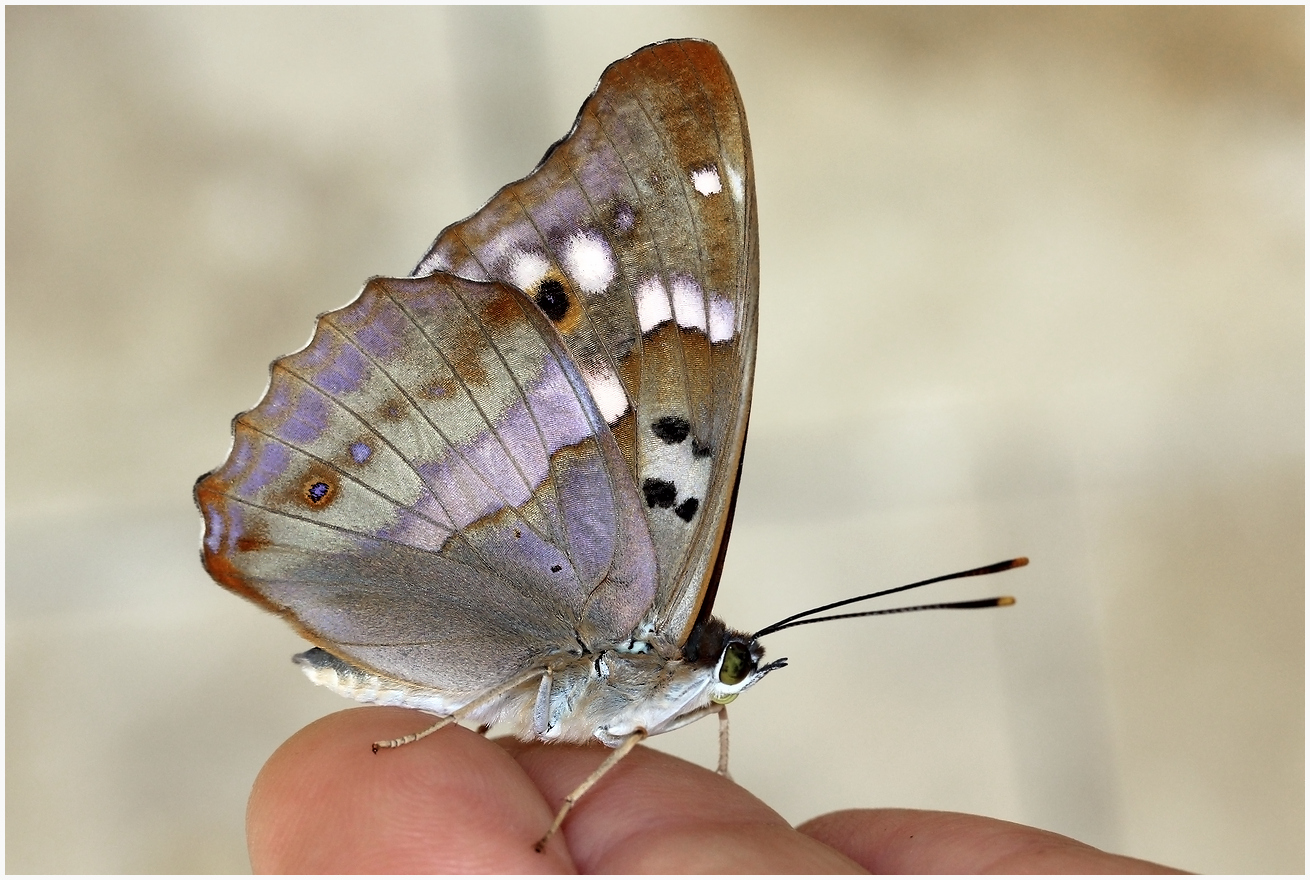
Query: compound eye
736, 665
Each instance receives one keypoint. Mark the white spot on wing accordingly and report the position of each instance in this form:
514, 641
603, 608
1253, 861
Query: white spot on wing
589, 262
494, 249
706, 181
653, 306
688, 303
607, 391
527, 268
723, 319
734, 184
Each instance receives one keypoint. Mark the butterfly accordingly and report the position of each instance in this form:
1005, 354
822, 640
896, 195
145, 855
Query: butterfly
500, 490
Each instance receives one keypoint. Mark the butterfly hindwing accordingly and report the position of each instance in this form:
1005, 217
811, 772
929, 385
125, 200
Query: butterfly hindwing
636, 238
429, 491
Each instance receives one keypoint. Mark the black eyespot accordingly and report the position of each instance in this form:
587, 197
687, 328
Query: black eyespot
659, 493
736, 665
687, 509
552, 299
317, 492
671, 429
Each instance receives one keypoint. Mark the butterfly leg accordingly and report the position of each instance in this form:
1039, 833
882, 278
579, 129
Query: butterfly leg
413, 737
574, 796
723, 743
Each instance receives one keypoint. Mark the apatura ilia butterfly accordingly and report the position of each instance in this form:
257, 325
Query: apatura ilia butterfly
500, 490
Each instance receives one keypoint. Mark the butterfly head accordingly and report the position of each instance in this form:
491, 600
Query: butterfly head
733, 658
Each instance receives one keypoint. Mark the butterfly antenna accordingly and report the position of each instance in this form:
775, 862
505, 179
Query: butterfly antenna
998, 601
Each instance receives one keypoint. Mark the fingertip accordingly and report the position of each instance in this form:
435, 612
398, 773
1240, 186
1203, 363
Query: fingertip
453, 802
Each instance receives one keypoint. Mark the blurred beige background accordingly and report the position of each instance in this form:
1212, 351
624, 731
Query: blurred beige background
1032, 283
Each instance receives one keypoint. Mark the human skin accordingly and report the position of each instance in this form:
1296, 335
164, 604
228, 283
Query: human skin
457, 802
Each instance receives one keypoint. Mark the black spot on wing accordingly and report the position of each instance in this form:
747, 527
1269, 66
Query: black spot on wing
659, 493
687, 509
671, 429
552, 299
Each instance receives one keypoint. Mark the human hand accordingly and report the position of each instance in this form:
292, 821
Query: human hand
457, 802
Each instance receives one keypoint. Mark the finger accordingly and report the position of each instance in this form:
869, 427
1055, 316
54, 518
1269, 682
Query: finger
451, 803
654, 813
923, 841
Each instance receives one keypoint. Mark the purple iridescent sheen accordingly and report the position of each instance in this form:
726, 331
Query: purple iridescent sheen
269, 467
345, 374
380, 336
309, 420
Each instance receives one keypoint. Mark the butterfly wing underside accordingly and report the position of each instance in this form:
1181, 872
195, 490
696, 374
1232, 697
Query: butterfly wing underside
636, 236
458, 477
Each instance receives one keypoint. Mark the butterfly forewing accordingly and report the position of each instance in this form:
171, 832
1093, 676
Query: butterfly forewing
428, 490
636, 238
